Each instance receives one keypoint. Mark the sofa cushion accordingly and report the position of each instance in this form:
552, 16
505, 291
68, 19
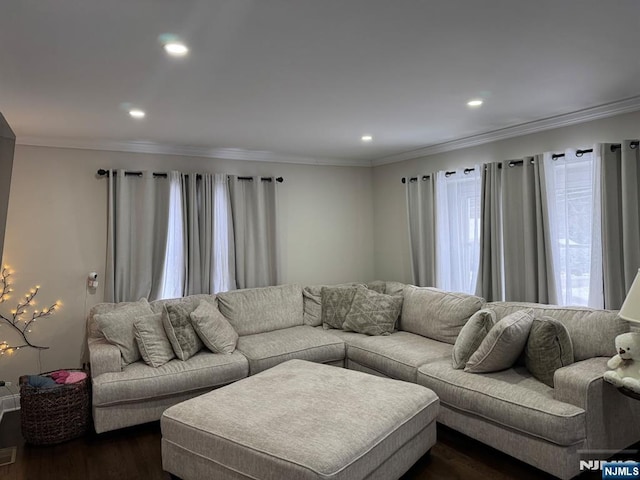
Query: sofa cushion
257, 310
397, 355
154, 346
471, 336
503, 344
548, 349
214, 330
336, 304
180, 332
379, 286
265, 350
394, 288
140, 382
117, 327
512, 398
437, 314
593, 332
372, 313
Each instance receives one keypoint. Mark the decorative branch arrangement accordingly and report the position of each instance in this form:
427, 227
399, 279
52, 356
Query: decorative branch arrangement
19, 319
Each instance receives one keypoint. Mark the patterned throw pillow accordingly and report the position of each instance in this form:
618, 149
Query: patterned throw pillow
503, 344
214, 329
372, 313
180, 332
336, 303
548, 348
117, 328
471, 336
152, 340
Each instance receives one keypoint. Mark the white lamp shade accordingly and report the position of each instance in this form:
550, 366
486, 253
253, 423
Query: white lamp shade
631, 307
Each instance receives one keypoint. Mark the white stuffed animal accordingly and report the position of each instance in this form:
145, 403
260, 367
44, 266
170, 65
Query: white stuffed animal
625, 365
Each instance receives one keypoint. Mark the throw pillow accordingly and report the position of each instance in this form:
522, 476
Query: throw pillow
548, 348
117, 328
502, 345
152, 340
336, 303
213, 329
180, 332
471, 336
372, 313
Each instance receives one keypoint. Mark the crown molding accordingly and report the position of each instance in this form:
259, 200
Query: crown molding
185, 150
594, 113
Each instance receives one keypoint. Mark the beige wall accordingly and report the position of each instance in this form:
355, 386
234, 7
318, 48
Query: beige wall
56, 233
390, 216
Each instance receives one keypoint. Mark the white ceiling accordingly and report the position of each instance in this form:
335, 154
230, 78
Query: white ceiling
304, 79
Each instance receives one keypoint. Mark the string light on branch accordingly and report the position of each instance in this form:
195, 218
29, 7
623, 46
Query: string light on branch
24, 327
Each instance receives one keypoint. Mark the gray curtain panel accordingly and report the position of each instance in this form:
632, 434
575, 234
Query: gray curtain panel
515, 224
208, 233
197, 214
620, 220
253, 207
528, 269
138, 216
421, 221
490, 267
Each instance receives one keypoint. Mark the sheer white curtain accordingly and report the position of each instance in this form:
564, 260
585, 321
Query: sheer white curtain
457, 201
173, 275
573, 192
223, 263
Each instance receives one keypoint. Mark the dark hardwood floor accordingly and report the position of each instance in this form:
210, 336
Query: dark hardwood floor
134, 453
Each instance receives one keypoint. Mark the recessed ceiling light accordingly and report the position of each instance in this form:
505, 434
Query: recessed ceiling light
474, 103
176, 49
366, 138
137, 113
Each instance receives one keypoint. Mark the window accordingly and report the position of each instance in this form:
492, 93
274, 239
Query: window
458, 230
573, 194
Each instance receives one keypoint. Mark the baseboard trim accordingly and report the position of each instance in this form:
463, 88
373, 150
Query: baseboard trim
9, 403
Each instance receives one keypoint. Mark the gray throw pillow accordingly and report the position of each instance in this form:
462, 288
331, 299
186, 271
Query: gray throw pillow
180, 332
117, 328
548, 348
372, 313
503, 344
214, 329
152, 340
471, 336
336, 303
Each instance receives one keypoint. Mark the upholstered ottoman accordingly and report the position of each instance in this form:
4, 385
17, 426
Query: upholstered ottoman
301, 420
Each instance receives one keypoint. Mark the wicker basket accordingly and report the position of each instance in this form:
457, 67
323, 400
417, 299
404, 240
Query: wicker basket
54, 415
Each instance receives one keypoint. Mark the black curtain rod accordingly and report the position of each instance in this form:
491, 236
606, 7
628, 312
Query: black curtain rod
617, 146
512, 163
105, 173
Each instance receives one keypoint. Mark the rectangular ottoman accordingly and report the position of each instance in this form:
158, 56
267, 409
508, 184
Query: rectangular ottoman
301, 420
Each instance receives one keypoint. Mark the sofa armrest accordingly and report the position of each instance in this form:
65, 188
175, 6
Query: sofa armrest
611, 418
104, 357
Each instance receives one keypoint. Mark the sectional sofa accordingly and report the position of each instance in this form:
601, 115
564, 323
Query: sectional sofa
580, 418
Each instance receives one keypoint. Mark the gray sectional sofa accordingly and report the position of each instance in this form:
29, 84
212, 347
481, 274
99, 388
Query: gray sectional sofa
552, 428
